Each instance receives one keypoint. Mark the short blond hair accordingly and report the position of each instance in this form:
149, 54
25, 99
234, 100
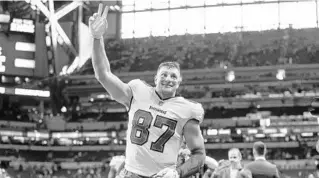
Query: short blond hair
169, 64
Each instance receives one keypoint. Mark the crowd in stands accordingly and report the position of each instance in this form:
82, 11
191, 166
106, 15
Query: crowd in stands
208, 51
241, 49
274, 47
208, 91
299, 153
56, 171
211, 112
210, 139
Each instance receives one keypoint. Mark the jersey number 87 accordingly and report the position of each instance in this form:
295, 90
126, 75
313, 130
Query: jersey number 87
142, 121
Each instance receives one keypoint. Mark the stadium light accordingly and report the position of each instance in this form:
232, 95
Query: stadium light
260, 135
27, 79
4, 18
230, 76
307, 134
2, 90
63, 109
281, 74
17, 80
31, 92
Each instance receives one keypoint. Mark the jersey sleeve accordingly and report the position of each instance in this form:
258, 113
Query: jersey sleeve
134, 86
198, 112
140, 91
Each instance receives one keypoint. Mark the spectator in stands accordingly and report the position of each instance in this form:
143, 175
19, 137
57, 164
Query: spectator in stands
314, 174
231, 167
260, 168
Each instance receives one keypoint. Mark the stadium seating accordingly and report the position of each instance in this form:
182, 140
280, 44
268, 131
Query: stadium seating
274, 47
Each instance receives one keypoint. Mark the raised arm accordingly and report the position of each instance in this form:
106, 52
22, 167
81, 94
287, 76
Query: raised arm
118, 90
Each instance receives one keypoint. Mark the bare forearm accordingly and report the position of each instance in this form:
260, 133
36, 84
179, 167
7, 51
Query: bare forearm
100, 62
112, 173
193, 164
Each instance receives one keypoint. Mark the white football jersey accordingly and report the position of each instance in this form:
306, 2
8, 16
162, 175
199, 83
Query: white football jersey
155, 129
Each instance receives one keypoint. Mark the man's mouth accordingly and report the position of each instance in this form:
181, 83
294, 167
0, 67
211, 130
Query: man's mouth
167, 86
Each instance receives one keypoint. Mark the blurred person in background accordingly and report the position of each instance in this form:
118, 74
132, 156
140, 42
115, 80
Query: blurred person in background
151, 151
229, 168
314, 107
314, 110
260, 168
315, 174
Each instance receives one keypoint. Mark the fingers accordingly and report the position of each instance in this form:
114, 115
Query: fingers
99, 12
91, 19
95, 15
106, 10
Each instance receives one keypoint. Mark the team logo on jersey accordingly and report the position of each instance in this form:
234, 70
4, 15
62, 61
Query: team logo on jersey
157, 110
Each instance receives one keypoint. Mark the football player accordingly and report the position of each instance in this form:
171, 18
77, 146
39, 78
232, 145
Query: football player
314, 111
158, 118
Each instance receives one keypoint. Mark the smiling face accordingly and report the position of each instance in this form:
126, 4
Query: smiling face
167, 80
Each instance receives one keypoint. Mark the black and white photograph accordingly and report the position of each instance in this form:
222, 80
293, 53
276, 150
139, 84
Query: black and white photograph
159, 89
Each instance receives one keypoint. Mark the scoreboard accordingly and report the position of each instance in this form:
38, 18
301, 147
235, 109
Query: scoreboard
12, 54
23, 53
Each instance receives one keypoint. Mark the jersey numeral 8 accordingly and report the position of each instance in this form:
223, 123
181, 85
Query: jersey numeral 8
141, 123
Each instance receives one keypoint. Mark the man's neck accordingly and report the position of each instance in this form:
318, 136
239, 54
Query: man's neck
164, 95
260, 158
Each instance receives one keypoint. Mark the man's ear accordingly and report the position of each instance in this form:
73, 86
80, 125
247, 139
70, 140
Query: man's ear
180, 81
155, 79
